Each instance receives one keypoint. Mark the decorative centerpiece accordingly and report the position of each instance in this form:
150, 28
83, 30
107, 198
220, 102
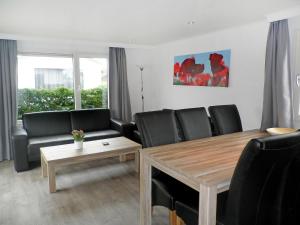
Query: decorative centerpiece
78, 136
280, 130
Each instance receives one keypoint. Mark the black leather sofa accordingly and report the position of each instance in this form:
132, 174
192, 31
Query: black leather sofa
54, 128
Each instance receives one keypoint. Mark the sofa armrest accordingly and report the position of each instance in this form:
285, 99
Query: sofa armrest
126, 129
20, 143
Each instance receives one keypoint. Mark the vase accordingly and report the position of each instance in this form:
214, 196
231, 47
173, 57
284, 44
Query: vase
78, 144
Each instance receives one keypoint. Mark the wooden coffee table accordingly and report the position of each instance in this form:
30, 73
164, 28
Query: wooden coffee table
61, 155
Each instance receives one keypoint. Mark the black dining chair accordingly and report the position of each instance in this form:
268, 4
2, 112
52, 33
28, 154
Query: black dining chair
194, 123
159, 128
265, 188
225, 118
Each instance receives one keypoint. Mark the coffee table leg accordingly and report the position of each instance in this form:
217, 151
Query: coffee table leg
44, 167
122, 158
51, 177
137, 161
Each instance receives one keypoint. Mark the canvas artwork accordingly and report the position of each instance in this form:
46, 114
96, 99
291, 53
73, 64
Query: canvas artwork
203, 69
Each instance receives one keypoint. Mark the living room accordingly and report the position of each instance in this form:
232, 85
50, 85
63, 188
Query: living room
141, 112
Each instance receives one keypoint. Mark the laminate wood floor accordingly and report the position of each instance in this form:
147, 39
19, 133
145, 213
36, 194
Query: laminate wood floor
104, 192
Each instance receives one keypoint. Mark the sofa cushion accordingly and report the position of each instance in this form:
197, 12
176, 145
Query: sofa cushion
90, 119
96, 135
47, 123
34, 144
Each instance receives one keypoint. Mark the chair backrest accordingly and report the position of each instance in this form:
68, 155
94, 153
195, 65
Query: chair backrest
157, 128
226, 119
194, 123
265, 188
179, 129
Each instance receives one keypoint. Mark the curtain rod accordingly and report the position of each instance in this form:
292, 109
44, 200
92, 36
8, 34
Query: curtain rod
284, 14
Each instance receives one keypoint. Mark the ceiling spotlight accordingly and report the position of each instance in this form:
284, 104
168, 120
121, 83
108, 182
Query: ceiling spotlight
192, 22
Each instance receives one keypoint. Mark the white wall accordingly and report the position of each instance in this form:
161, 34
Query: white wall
61, 47
247, 44
135, 58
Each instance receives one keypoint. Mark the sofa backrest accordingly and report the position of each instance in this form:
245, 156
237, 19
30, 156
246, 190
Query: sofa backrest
90, 119
47, 123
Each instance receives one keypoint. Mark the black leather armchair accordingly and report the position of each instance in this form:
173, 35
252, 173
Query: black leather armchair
265, 188
54, 128
194, 123
225, 118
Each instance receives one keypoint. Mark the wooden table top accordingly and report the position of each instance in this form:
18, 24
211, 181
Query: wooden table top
90, 148
208, 161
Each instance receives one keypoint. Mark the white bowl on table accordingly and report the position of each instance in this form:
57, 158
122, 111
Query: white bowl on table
280, 130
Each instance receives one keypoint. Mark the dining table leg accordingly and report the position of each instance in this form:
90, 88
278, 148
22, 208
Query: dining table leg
145, 191
137, 161
207, 205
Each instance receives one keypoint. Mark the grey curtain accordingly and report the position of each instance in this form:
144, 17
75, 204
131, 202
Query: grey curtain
119, 100
8, 90
278, 102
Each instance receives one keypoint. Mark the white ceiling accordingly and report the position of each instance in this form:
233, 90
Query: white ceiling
144, 22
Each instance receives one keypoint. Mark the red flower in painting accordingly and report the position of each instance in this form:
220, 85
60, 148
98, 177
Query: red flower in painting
176, 68
219, 69
188, 69
201, 79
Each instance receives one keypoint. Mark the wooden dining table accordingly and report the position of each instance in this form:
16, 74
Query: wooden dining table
206, 165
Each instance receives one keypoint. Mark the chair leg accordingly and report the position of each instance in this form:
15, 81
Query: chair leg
172, 217
179, 221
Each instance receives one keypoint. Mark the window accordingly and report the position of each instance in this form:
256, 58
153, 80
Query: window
93, 77
46, 83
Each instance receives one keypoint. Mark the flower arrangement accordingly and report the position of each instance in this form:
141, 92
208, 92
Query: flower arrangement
78, 135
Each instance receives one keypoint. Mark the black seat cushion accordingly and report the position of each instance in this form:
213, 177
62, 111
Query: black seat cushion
194, 123
47, 123
157, 128
90, 119
163, 191
187, 208
96, 135
226, 119
34, 144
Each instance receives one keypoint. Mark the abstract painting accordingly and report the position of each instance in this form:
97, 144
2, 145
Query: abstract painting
203, 69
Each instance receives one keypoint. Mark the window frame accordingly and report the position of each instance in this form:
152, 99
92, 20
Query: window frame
76, 70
